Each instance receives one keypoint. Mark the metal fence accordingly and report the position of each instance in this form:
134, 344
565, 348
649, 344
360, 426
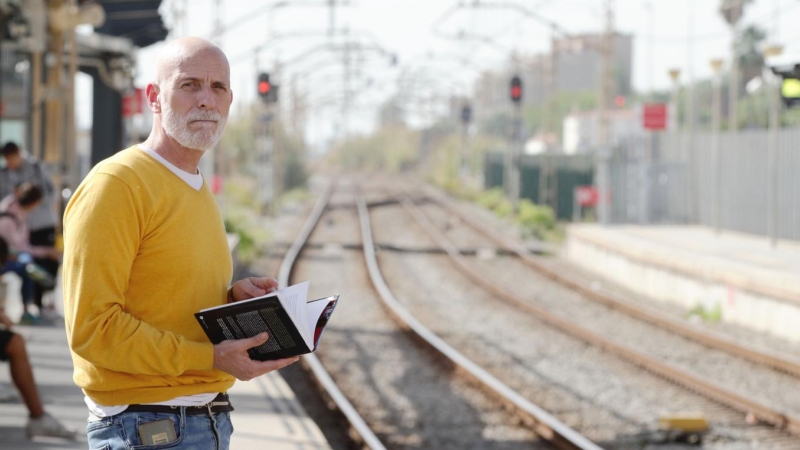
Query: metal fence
675, 178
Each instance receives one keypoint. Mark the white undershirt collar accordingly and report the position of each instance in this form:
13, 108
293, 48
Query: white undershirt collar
195, 180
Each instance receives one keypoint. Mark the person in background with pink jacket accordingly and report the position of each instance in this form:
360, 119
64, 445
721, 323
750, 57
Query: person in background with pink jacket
14, 211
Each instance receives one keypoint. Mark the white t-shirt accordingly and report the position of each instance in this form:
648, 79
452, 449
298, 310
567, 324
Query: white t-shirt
195, 180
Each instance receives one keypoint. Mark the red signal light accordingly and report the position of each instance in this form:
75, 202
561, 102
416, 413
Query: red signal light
516, 89
264, 87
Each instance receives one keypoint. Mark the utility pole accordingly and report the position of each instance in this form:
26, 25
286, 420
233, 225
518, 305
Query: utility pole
773, 189
716, 67
548, 174
606, 90
332, 19
691, 194
732, 12
277, 144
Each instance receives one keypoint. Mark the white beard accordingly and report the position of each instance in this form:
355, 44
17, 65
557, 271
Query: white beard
177, 127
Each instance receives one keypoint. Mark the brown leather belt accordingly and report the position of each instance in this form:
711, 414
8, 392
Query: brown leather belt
221, 403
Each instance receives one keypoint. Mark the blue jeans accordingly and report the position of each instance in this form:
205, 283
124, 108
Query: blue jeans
28, 285
194, 432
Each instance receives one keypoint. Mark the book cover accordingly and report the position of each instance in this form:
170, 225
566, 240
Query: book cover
294, 325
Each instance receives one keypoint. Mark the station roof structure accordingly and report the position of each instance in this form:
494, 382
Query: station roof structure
137, 20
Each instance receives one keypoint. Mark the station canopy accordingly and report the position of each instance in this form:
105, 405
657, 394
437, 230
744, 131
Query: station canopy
137, 20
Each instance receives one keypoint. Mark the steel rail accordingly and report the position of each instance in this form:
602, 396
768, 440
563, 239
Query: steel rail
679, 376
542, 423
360, 430
709, 339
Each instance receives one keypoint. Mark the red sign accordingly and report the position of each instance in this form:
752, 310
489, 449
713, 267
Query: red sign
216, 183
133, 103
654, 116
586, 195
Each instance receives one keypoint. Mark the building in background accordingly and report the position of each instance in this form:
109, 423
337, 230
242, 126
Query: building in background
579, 63
581, 130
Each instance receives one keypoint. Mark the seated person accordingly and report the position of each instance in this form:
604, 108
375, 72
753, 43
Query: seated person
12, 350
14, 211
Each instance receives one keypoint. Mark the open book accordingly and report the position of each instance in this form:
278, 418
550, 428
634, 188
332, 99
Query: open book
294, 325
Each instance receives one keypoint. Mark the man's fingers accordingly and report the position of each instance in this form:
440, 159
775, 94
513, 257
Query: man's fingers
268, 284
269, 366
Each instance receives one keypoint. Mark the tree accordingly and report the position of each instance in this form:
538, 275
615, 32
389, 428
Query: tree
751, 59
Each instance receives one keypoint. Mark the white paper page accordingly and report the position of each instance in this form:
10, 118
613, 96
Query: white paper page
313, 311
293, 298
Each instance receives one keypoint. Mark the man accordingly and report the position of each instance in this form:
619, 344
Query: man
145, 248
12, 350
42, 221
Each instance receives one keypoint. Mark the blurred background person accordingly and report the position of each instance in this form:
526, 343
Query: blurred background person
12, 350
42, 221
14, 214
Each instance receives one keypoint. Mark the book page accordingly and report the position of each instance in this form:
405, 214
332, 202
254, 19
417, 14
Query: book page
314, 309
293, 299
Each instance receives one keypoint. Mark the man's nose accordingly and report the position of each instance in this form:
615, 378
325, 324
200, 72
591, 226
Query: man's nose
206, 98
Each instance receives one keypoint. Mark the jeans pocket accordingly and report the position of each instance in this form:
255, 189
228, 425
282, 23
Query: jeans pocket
146, 418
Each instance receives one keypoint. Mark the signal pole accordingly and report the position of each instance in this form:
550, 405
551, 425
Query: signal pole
512, 163
606, 88
466, 117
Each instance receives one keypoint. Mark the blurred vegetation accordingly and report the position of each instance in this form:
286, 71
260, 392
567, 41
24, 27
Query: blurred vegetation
390, 149
241, 210
242, 217
713, 314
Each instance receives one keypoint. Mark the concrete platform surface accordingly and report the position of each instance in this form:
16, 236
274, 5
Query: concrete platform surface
743, 261
750, 282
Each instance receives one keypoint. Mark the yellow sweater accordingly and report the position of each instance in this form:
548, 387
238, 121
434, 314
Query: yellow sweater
143, 252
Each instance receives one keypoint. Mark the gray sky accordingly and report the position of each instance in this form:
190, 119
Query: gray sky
683, 34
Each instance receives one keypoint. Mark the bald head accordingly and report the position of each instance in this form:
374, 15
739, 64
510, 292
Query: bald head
185, 51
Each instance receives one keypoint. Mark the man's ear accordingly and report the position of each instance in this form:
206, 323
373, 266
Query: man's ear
153, 101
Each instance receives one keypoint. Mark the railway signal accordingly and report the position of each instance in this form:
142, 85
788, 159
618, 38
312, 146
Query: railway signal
516, 89
466, 113
267, 91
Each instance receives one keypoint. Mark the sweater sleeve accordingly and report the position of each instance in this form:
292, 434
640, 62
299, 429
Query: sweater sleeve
103, 227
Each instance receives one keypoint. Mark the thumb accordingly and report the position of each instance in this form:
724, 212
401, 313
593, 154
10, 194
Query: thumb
255, 341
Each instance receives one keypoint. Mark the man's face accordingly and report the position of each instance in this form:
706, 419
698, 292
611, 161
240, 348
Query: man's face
13, 161
196, 99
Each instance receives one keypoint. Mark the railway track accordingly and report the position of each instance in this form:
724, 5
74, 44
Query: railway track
450, 403
588, 389
751, 381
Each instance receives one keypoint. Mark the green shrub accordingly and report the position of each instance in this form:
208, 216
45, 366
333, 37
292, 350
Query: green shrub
536, 220
491, 199
713, 314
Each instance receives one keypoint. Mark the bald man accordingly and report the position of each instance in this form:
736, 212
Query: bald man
145, 248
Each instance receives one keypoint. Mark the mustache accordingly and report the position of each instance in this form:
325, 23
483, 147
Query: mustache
203, 115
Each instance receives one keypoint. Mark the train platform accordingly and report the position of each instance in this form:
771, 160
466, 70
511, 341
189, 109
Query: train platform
741, 277
267, 413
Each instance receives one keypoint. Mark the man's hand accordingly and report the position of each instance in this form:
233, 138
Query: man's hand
232, 357
251, 287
